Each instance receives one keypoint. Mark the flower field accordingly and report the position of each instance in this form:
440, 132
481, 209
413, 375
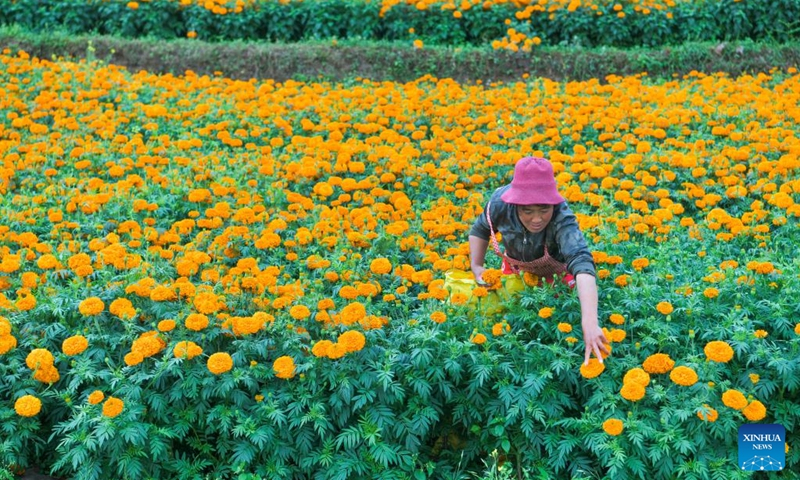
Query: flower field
209, 278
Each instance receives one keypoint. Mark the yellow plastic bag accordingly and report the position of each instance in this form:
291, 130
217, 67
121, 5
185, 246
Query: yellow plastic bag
463, 282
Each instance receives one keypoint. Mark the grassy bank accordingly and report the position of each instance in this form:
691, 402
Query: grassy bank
399, 62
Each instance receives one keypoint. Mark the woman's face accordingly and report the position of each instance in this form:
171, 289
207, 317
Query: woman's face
535, 217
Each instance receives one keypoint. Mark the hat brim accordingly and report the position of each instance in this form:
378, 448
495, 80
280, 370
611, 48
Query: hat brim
527, 197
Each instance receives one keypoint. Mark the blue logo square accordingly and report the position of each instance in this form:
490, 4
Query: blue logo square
762, 447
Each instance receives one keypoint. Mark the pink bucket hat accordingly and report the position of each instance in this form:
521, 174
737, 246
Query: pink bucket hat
534, 184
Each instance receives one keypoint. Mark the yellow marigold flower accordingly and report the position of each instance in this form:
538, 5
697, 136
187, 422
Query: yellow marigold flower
640, 263
39, 358
571, 340
564, 327
74, 345
665, 308
91, 306
616, 319
711, 292
353, 340
754, 377
613, 426
196, 321
28, 406
632, 391
96, 397
299, 312
797, 329
166, 325
187, 350
718, 351
284, 367
438, 317
219, 363
113, 407
593, 368
380, 266
755, 411
321, 348
707, 414
760, 333
734, 399
637, 375
546, 312
683, 376
658, 363
480, 292
499, 328
259, 398
479, 339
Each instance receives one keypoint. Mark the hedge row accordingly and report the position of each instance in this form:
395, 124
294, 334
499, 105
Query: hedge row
767, 20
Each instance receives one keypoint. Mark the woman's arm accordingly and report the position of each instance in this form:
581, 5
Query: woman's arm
593, 336
477, 256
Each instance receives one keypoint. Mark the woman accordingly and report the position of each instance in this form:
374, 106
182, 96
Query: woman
541, 236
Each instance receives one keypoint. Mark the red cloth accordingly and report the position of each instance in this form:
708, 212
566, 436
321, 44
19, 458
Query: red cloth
568, 279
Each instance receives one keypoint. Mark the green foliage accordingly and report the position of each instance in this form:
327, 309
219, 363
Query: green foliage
725, 20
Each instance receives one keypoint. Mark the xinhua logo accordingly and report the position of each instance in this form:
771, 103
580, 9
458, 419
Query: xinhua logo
762, 447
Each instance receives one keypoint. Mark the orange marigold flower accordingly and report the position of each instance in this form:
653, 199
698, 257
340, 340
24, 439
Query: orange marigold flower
196, 321
592, 369
665, 308
336, 351
5, 326
7, 343
438, 317
632, 391
493, 277
133, 358
380, 266
91, 306
28, 406
564, 327
760, 333
479, 339
220, 363
546, 312
797, 329
658, 363
613, 426
113, 407
187, 350
74, 345
353, 340
754, 377
711, 292
616, 319
284, 367
755, 411
166, 325
39, 358
637, 375
352, 313
95, 397
47, 375
718, 351
640, 263
734, 399
321, 348
707, 414
683, 376
122, 308
299, 312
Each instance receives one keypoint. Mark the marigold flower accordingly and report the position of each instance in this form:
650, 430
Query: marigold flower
637, 375
95, 397
91, 306
760, 333
321, 348
755, 411
546, 312
47, 374
133, 358
683, 376
493, 278
74, 345
284, 367
352, 313
113, 407
479, 339
28, 406
797, 329
187, 350
711, 292
337, 351
592, 369
665, 308
718, 351
299, 312
632, 391
5, 326
734, 399
616, 319
380, 266
219, 363
707, 414
39, 358
438, 317
658, 363
196, 321
564, 327
613, 426
166, 325
7, 343
754, 377
353, 340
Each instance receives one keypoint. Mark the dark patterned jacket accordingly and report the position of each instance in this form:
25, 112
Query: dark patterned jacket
565, 241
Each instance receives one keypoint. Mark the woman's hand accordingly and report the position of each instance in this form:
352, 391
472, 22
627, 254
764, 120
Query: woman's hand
595, 341
477, 271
